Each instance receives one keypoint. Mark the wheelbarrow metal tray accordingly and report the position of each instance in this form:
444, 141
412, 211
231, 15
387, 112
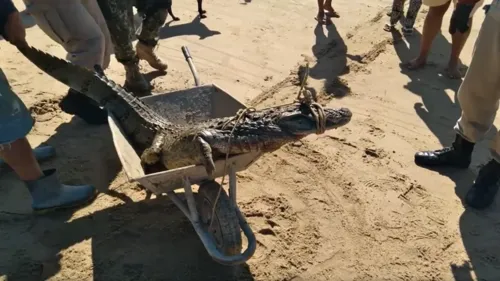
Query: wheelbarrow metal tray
192, 105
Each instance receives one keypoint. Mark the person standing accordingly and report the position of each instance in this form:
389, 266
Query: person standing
79, 27
119, 18
432, 26
479, 97
47, 192
325, 5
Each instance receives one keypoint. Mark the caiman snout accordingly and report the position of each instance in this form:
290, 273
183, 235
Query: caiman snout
300, 123
337, 117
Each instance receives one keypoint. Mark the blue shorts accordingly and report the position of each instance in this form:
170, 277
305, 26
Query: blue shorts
15, 119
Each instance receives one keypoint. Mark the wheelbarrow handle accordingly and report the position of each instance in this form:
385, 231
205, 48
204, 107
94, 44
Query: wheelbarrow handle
186, 53
189, 59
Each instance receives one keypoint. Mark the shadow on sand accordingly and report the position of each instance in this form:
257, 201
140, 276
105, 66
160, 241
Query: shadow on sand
195, 27
480, 230
330, 51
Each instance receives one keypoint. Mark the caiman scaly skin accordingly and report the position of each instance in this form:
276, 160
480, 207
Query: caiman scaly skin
159, 141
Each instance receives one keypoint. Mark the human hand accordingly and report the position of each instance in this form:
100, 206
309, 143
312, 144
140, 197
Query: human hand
14, 30
460, 18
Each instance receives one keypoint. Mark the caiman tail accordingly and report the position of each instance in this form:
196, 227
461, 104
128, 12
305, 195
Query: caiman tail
74, 76
138, 121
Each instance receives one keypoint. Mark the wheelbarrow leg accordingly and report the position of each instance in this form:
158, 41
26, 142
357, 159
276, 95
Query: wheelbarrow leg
232, 187
188, 190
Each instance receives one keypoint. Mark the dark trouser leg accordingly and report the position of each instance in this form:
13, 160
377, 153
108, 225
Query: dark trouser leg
396, 12
200, 8
411, 15
119, 18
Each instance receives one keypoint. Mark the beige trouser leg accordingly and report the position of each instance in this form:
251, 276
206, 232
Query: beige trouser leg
78, 26
479, 93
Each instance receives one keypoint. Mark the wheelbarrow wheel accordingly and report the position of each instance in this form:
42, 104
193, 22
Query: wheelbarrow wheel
223, 226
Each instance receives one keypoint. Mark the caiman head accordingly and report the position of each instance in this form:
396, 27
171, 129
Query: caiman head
299, 120
268, 129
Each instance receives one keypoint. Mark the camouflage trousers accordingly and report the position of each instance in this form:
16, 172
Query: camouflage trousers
120, 20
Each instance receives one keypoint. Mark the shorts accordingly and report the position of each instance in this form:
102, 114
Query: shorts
435, 3
15, 119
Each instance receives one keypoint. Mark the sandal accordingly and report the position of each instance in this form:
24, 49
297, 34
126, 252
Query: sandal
407, 30
320, 20
333, 14
388, 27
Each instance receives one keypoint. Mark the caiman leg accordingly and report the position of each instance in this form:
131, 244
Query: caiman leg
206, 152
151, 155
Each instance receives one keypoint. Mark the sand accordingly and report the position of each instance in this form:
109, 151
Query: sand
346, 205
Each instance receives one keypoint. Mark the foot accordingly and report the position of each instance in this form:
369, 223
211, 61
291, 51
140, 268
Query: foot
202, 14
135, 81
458, 155
176, 18
48, 194
483, 191
78, 104
388, 27
147, 53
407, 30
331, 13
320, 18
453, 72
416, 63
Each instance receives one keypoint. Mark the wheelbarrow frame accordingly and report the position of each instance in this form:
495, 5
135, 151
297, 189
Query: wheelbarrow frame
166, 182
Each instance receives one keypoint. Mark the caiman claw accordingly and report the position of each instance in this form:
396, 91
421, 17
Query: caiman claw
151, 155
206, 153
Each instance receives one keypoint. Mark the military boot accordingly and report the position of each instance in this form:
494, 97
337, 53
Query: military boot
135, 81
146, 52
48, 194
457, 155
485, 187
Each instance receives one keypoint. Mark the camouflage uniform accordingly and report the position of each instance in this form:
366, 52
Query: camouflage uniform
120, 20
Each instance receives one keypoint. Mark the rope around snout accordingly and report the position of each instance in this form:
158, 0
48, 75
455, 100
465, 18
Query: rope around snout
317, 110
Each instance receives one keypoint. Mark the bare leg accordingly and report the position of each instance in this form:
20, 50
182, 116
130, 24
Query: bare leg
411, 16
19, 156
432, 26
169, 9
458, 41
321, 13
200, 9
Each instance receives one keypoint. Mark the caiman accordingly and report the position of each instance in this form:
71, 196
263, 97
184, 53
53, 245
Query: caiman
157, 140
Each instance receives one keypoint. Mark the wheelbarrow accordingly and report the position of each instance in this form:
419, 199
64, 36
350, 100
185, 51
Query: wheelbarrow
219, 229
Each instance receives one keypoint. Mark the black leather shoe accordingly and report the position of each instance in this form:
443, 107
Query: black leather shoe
458, 155
483, 191
75, 103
